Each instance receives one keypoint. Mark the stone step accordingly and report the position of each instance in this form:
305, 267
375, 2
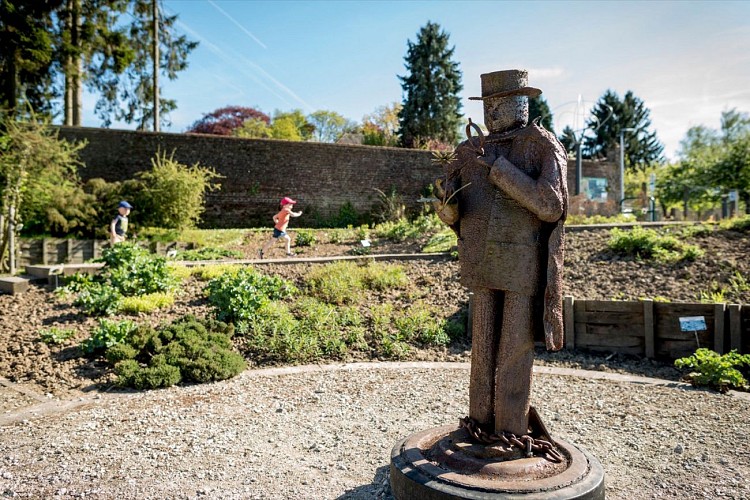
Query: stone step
13, 285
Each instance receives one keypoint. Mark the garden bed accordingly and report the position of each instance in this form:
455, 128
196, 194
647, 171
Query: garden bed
592, 272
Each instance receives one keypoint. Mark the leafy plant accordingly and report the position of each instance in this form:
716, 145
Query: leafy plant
305, 238
237, 297
740, 224
108, 334
404, 229
722, 372
56, 335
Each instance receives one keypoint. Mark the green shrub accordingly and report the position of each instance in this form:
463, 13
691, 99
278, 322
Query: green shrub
721, 372
188, 349
174, 193
208, 253
108, 334
146, 303
238, 296
649, 244
56, 335
421, 324
695, 230
305, 238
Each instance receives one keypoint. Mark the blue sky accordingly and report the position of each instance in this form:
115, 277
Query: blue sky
687, 60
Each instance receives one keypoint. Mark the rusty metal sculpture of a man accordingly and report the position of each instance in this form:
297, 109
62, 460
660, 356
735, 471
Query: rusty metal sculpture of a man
508, 206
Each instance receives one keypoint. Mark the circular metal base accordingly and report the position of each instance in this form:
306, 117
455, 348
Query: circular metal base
442, 464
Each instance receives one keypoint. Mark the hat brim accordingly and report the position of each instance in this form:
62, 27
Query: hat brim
523, 91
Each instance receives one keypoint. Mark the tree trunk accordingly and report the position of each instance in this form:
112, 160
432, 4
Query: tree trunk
73, 71
155, 42
746, 199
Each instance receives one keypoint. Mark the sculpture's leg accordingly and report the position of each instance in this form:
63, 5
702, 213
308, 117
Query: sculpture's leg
483, 349
515, 360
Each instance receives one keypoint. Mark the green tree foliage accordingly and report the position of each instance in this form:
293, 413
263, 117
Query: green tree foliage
380, 128
538, 108
32, 160
173, 194
568, 139
711, 163
329, 125
27, 56
611, 115
291, 126
254, 128
431, 106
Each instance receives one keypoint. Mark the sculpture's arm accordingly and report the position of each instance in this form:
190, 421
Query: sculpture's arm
542, 196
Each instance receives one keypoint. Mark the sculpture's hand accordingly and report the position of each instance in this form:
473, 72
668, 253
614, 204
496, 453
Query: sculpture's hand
446, 211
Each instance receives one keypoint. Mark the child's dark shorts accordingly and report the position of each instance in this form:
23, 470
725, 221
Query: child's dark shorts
278, 234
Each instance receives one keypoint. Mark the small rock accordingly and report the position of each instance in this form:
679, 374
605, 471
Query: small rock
679, 449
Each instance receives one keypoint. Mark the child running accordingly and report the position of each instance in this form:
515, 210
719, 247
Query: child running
281, 221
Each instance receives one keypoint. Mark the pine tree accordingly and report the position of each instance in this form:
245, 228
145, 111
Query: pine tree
611, 115
27, 52
538, 108
431, 105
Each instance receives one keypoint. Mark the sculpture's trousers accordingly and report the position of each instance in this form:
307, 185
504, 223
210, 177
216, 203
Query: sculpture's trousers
502, 359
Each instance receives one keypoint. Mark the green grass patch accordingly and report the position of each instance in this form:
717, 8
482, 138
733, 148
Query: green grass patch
650, 245
342, 282
444, 241
214, 238
212, 271
404, 229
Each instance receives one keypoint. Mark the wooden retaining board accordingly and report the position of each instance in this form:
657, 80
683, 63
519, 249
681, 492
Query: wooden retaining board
671, 341
602, 325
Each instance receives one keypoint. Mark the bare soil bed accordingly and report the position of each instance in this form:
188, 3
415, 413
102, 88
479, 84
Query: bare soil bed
592, 272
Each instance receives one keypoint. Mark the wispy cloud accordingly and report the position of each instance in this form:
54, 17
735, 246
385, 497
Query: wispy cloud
545, 73
234, 21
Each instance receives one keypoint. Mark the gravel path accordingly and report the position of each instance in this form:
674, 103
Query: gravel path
327, 432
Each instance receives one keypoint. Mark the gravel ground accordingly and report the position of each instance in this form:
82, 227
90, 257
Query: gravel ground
327, 432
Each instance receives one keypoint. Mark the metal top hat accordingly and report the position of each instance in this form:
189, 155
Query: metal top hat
507, 83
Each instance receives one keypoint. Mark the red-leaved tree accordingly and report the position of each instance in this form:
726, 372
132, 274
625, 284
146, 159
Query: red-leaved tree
224, 120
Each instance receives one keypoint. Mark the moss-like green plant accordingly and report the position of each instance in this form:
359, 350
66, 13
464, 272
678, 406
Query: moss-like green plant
212, 271
187, 349
722, 372
146, 303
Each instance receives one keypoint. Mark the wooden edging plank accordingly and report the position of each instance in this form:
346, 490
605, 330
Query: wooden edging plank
648, 328
735, 327
719, 311
569, 318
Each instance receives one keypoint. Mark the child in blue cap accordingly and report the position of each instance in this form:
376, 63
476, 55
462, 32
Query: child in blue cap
118, 230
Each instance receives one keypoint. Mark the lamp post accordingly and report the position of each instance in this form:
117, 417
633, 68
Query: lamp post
622, 165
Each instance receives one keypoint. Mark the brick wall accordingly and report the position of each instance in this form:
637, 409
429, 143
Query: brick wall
259, 172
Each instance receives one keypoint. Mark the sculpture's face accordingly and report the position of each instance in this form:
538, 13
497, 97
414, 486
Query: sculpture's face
506, 113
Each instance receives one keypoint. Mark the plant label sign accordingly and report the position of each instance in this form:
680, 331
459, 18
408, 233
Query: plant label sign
692, 323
